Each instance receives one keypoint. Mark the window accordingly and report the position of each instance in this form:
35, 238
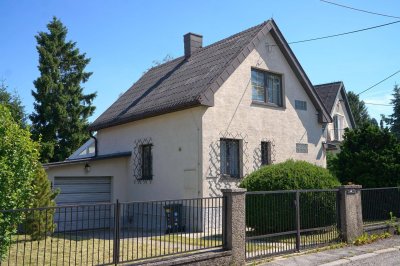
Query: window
300, 105
266, 87
147, 162
301, 148
338, 127
265, 152
230, 159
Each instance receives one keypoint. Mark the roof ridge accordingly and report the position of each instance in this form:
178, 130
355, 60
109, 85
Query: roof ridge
212, 44
233, 36
328, 83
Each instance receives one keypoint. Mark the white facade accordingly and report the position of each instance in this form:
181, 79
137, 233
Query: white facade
341, 121
186, 143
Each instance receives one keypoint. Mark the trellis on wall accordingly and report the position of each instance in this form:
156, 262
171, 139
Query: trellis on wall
257, 153
214, 168
136, 160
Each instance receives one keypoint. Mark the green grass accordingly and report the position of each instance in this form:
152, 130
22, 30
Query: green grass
81, 250
193, 241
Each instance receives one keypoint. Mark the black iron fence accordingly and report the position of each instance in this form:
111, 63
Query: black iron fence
113, 233
288, 221
379, 203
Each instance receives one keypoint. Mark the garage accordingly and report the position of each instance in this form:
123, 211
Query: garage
77, 190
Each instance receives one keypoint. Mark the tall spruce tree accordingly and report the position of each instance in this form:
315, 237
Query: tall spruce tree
358, 109
61, 113
393, 121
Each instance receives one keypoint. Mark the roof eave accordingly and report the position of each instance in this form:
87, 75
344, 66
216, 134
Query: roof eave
151, 113
88, 159
323, 114
346, 103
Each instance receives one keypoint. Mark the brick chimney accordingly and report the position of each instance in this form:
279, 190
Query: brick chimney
192, 42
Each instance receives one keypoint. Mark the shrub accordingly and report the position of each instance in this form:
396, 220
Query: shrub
369, 157
271, 213
18, 164
40, 223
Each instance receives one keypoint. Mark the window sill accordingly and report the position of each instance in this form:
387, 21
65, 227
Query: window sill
264, 104
230, 177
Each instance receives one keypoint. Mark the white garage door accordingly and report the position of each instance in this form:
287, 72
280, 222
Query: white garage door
83, 190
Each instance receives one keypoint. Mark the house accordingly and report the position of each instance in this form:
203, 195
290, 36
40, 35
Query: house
333, 95
200, 123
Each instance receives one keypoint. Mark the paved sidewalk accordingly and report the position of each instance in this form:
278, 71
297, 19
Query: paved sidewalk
377, 253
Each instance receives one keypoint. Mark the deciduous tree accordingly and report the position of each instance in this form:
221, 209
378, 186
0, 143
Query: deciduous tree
13, 102
19, 160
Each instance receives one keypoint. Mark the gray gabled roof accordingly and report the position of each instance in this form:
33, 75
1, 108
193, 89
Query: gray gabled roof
188, 82
328, 93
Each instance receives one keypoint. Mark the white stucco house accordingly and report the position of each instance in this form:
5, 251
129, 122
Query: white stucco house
334, 97
200, 123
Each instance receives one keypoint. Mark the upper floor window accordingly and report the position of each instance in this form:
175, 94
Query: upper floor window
147, 162
230, 157
266, 87
338, 127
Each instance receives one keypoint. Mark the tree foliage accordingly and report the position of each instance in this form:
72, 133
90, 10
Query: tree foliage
369, 156
62, 109
359, 110
13, 102
393, 121
40, 223
18, 163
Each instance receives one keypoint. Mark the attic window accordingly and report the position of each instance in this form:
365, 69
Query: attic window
266, 87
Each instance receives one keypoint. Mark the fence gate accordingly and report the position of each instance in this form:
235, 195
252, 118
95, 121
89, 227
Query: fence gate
288, 221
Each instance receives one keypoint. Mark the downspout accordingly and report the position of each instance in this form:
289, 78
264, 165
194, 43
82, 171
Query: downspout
95, 143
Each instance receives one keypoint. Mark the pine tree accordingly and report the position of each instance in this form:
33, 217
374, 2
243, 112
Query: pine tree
394, 119
358, 109
61, 108
39, 223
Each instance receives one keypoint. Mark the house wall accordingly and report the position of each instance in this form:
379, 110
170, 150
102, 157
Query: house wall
116, 168
176, 138
235, 116
339, 108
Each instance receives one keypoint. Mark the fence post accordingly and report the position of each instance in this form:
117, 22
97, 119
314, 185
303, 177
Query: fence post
350, 209
116, 233
297, 203
234, 224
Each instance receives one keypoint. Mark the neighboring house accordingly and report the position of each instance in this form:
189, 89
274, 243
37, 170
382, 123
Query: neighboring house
200, 123
334, 97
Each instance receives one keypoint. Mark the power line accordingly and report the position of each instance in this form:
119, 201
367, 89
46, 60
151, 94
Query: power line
360, 10
380, 104
346, 33
376, 84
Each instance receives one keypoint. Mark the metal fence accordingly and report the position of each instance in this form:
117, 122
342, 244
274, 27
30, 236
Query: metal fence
288, 221
113, 233
378, 203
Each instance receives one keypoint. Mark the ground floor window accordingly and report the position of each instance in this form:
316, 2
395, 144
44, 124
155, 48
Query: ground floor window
266, 153
230, 157
147, 162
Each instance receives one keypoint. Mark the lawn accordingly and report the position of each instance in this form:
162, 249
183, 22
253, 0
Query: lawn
82, 250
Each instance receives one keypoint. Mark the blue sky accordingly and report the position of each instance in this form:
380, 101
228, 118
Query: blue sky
123, 38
